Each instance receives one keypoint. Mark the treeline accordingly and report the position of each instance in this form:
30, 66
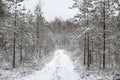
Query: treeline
24, 36
101, 48
63, 31
27, 38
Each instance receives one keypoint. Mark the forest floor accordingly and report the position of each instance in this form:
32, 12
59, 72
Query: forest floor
26, 69
61, 67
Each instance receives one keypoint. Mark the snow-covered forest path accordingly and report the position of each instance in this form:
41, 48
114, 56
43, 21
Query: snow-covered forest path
60, 68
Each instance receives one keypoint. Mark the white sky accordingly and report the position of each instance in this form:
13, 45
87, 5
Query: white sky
53, 8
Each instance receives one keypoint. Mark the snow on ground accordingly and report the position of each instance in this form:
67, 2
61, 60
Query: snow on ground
60, 68
26, 69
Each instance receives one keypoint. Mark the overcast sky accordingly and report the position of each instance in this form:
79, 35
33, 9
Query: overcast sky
53, 8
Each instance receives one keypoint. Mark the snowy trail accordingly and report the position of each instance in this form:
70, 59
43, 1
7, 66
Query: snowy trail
60, 68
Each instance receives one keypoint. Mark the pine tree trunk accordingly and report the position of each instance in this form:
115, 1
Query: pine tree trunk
88, 58
85, 50
100, 60
104, 36
14, 39
21, 55
37, 38
88, 51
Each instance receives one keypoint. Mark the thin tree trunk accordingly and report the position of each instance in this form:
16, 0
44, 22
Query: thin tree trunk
85, 50
21, 55
88, 58
109, 58
85, 39
14, 39
99, 59
104, 36
88, 51
37, 38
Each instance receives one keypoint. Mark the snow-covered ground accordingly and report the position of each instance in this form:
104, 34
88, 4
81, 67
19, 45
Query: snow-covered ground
60, 68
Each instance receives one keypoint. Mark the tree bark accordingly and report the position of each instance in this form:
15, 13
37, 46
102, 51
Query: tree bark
104, 35
85, 50
14, 38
